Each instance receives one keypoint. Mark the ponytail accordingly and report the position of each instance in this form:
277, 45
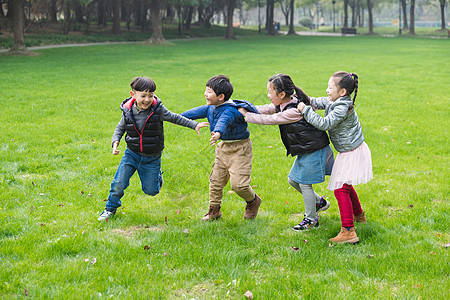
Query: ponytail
348, 81
284, 83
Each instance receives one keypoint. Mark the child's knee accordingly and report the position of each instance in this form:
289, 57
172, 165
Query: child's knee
151, 192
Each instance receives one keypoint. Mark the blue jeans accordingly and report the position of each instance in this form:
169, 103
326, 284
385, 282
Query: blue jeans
149, 170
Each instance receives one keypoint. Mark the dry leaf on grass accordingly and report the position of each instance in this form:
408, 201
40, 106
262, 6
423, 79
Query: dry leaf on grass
248, 294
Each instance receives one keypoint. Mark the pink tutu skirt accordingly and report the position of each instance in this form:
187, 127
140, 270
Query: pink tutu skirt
352, 168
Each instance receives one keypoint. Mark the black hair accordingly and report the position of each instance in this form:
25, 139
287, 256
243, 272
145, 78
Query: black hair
143, 84
221, 84
347, 81
284, 83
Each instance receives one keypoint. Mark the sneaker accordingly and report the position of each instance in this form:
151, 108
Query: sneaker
106, 214
306, 224
322, 205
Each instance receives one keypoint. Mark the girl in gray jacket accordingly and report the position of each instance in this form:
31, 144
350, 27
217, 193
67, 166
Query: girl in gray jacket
353, 163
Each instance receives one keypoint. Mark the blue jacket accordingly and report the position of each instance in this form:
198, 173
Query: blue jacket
224, 118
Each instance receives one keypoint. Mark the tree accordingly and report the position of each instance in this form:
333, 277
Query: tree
116, 16
18, 24
230, 12
405, 14
369, 10
291, 19
442, 5
345, 13
269, 17
157, 35
411, 17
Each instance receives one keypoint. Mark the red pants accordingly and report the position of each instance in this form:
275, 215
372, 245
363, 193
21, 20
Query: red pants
348, 204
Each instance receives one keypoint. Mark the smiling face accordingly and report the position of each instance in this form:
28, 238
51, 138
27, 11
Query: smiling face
333, 91
274, 96
212, 98
143, 99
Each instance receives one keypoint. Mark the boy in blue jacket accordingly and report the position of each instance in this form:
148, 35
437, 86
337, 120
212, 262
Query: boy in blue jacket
233, 160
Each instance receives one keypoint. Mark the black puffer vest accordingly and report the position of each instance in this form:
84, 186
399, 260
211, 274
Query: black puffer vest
151, 139
301, 137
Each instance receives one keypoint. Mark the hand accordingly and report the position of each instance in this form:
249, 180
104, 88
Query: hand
242, 110
114, 150
215, 137
200, 125
301, 106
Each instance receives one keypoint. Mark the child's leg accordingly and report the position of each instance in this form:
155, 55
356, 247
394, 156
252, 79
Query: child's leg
357, 210
310, 198
345, 205
149, 171
218, 179
121, 180
240, 168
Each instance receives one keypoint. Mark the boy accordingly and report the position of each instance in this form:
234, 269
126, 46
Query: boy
234, 153
142, 120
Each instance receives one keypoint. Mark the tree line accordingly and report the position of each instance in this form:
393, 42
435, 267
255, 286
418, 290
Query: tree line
146, 14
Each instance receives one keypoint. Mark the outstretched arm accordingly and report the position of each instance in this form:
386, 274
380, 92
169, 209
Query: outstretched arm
200, 125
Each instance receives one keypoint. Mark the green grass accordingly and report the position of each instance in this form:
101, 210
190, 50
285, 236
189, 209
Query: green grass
59, 111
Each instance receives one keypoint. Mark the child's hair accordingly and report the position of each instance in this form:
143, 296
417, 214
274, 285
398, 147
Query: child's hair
221, 84
143, 84
348, 81
284, 83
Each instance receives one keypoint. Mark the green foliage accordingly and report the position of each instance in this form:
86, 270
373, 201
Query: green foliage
59, 111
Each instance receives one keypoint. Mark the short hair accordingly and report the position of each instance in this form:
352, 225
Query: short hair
143, 84
221, 84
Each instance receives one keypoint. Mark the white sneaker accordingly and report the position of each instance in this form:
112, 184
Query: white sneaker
106, 214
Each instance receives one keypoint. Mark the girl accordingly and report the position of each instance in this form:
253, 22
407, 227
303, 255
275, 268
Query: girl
314, 157
353, 162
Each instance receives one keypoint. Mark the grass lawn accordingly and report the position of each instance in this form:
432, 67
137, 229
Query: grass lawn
59, 111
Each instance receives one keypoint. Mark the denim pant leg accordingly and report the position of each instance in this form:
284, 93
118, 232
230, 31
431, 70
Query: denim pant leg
128, 165
149, 171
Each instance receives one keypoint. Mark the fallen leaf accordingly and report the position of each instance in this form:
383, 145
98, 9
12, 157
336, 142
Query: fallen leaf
81, 192
410, 206
254, 186
41, 194
432, 253
89, 195
93, 141
165, 220
105, 200
146, 247
178, 212
42, 224
60, 204
186, 231
447, 245
370, 256
287, 202
93, 261
86, 260
26, 292
295, 248
230, 192
417, 286
330, 245
305, 241
248, 294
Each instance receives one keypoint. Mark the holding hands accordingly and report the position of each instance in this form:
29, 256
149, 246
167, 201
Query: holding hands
301, 106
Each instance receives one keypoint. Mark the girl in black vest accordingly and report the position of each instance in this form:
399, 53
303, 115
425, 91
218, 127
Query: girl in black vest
314, 157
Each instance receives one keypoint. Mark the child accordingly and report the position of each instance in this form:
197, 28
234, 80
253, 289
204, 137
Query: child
353, 163
233, 160
314, 157
142, 120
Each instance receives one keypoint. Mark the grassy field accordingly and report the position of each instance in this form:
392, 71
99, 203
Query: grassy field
58, 114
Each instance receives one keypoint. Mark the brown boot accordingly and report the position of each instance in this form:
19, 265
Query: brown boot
361, 218
213, 213
251, 209
346, 236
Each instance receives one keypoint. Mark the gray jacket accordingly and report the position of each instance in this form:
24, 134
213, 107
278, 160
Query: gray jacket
342, 125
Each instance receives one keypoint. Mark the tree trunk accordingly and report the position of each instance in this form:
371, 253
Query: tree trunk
291, 19
230, 12
19, 42
269, 23
369, 9
345, 13
405, 15
157, 35
412, 18
442, 4
116, 16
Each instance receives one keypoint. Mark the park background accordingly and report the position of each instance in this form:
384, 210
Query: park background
59, 108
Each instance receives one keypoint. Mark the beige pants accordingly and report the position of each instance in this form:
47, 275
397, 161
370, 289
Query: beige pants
233, 162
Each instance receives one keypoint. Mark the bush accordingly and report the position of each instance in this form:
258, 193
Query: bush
305, 22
